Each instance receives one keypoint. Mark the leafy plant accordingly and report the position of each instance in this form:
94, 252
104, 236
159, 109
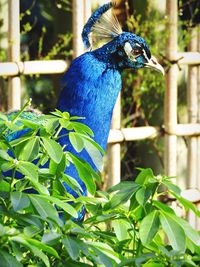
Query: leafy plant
126, 226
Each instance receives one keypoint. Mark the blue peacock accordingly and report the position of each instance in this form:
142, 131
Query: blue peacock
93, 81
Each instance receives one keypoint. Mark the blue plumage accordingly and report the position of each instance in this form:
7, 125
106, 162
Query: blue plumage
91, 85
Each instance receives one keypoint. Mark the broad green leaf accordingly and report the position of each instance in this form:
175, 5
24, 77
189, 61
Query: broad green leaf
190, 232
7, 260
31, 230
121, 228
20, 140
82, 128
95, 154
37, 252
142, 195
19, 200
7, 166
84, 173
121, 196
76, 141
28, 169
30, 150
144, 176
51, 238
53, 149
43, 247
187, 204
174, 232
65, 206
105, 249
153, 264
45, 209
149, 227
4, 155
4, 186
85, 137
163, 207
122, 185
72, 246
172, 187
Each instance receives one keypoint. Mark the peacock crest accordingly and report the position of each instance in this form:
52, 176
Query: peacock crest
103, 25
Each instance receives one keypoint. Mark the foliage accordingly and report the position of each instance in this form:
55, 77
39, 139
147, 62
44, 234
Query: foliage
126, 226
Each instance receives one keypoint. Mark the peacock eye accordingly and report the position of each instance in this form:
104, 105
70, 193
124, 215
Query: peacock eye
136, 52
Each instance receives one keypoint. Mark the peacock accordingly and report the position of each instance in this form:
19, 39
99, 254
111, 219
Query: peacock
91, 85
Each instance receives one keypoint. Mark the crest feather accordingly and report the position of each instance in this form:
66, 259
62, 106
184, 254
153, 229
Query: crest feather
103, 24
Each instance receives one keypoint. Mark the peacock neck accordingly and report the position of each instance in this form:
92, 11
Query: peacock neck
90, 90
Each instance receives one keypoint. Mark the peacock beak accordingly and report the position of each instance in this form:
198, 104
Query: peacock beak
153, 64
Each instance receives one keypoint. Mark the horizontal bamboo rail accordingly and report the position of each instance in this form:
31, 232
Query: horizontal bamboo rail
132, 134
33, 67
188, 58
60, 66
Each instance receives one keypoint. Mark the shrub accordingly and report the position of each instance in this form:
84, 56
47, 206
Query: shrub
126, 226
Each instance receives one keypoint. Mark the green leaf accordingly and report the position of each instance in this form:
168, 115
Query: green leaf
174, 232
4, 186
84, 173
187, 204
30, 150
82, 128
51, 238
19, 200
31, 230
8, 260
191, 233
95, 154
172, 187
36, 251
53, 149
71, 246
43, 247
144, 176
65, 206
106, 250
20, 140
142, 195
121, 229
149, 227
76, 141
163, 207
45, 209
28, 169
4, 155
7, 166
121, 196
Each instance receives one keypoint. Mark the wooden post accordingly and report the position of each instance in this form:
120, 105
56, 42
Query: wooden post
14, 85
81, 11
198, 120
192, 118
114, 150
170, 116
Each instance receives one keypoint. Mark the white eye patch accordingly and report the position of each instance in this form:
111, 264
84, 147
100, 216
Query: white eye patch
128, 48
134, 53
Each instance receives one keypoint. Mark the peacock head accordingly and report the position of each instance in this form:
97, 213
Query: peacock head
124, 49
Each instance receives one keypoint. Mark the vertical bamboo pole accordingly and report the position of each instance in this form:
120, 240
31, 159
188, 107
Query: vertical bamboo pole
170, 116
78, 7
198, 121
114, 150
14, 86
192, 118
87, 10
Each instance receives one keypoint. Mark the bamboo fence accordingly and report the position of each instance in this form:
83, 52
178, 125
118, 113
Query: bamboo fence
81, 11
